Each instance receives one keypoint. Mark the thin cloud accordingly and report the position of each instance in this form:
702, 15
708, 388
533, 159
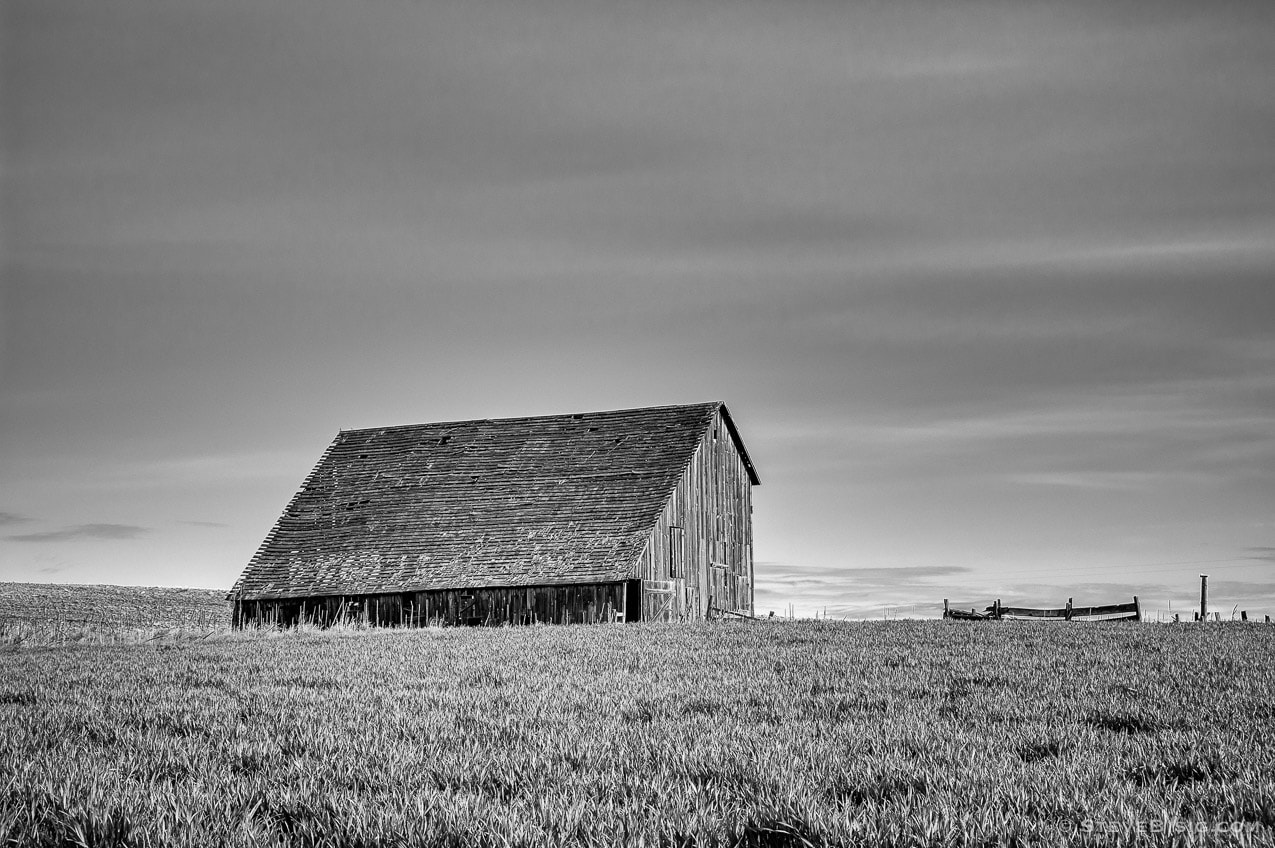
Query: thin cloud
1105, 480
854, 592
1035, 594
783, 574
916, 570
12, 518
203, 523
1261, 554
203, 469
82, 531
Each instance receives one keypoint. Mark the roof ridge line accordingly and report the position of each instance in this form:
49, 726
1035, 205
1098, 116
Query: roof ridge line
713, 403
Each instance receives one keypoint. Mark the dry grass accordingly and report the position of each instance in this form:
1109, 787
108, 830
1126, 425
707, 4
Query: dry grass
44, 614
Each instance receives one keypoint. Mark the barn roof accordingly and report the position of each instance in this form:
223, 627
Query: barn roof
509, 502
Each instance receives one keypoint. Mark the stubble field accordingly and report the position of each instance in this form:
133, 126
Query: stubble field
742, 733
54, 614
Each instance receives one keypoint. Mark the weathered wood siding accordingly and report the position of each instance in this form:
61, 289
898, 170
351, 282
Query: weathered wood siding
698, 561
572, 604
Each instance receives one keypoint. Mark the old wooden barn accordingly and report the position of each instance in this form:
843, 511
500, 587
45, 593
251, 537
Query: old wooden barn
628, 515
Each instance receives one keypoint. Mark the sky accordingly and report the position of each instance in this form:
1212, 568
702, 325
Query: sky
989, 288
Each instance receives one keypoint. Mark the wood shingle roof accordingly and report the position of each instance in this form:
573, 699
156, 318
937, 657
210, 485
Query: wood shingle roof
511, 502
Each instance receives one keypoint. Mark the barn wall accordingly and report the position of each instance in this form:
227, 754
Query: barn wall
698, 562
573, 604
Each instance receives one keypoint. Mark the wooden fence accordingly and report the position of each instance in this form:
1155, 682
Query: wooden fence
998, 612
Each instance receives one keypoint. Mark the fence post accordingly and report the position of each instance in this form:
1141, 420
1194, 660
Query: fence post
1243, 615
1175, 618
996, 610
945, 612
1068, 615
1137, 609
1204, 597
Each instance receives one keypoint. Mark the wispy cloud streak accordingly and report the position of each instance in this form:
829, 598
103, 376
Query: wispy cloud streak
82, 531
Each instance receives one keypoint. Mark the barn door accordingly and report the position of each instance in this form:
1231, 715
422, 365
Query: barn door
717, 599
677, 571
659, 599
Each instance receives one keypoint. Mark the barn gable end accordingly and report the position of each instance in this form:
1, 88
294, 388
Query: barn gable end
698, 559
531, 519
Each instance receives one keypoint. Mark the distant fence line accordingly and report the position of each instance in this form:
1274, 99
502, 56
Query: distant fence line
998, 612
1131, 611
1175, 617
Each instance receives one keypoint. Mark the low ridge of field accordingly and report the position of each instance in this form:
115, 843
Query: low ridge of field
112, 607
766, 733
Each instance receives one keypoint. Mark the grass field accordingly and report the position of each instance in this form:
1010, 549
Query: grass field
745, 733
